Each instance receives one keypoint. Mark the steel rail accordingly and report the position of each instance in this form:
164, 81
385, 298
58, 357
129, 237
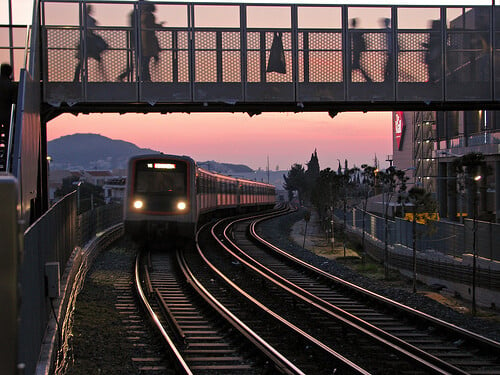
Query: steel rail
276, 357
182, 367
409, 351
344, 361
484, 341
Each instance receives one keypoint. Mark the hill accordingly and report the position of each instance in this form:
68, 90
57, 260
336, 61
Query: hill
224, 168
94, 151
91, 151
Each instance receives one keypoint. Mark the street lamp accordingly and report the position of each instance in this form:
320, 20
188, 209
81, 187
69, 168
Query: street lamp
474, 255
77, 184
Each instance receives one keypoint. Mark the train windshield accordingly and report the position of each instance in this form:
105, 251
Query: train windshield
160, 177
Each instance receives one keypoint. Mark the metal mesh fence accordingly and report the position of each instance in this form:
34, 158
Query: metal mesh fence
449, 238
94, 221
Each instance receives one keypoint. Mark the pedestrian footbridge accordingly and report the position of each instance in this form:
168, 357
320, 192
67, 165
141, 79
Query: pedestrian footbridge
123, 56
254, 58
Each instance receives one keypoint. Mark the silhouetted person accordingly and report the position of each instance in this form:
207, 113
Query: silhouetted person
149, 42
358, 45
482, 42
389, 45
8, 96
131, 43
433, 53
96, 45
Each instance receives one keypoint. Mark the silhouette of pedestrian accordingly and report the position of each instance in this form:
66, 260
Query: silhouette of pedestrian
389, 45
433, 54
358, 45
96, 45
8, 96
150, 46
131, 43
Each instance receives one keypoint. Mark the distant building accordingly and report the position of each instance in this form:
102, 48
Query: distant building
425, 144
112, 183
114, 190
97, 178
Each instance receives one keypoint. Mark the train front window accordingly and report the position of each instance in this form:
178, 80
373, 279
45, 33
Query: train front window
155, 178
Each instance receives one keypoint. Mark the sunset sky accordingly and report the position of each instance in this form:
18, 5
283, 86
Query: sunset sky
285, 138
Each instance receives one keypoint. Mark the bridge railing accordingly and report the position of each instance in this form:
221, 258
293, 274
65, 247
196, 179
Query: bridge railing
52, 238
223, 52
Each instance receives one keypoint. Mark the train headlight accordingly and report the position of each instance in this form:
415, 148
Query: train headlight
138, 204
181, 205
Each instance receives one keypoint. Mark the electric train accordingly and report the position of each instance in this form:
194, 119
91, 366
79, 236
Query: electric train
167, 195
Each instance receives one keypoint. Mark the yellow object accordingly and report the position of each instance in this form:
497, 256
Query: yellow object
423, 217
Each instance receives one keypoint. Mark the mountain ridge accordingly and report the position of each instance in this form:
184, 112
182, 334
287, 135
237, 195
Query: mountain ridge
89, 151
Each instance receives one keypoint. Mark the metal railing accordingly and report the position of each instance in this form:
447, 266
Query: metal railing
448, 238
230, 63
52, 238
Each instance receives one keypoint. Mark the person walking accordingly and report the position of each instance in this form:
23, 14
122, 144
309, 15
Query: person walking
131, 44
96, 45
150, 46
358, 45
389, 62
433, 53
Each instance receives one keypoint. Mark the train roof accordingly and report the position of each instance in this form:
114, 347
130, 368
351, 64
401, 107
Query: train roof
190, 160
161, 156
235, 179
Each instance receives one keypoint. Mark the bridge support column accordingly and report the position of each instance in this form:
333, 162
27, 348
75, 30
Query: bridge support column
9, 251
43, 196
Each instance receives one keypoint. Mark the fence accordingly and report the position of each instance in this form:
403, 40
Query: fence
449, 238
52, 238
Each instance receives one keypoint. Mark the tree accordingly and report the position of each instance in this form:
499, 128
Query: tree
312, 174
421, 204
323, 197
366, 188
295, 181
345, 182
301, 180
392, 181
472, 168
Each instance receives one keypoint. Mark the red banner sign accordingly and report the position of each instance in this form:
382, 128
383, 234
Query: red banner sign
399, 128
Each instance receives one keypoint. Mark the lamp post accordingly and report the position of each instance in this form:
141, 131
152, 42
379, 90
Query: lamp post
474, 255
471, 164
77, 184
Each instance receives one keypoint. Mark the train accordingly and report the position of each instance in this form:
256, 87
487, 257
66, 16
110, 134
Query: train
167, 196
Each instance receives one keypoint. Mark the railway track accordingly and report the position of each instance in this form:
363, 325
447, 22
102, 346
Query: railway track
442, 348
237, 304
203, 336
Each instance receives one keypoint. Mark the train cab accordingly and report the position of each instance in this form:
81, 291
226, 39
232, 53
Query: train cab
159, 187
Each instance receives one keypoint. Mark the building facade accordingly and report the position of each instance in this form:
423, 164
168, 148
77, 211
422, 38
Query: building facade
427, 145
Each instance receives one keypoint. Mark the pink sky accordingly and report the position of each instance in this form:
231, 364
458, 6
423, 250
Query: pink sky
287, 138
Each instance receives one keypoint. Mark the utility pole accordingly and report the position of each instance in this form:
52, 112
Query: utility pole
267, 168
